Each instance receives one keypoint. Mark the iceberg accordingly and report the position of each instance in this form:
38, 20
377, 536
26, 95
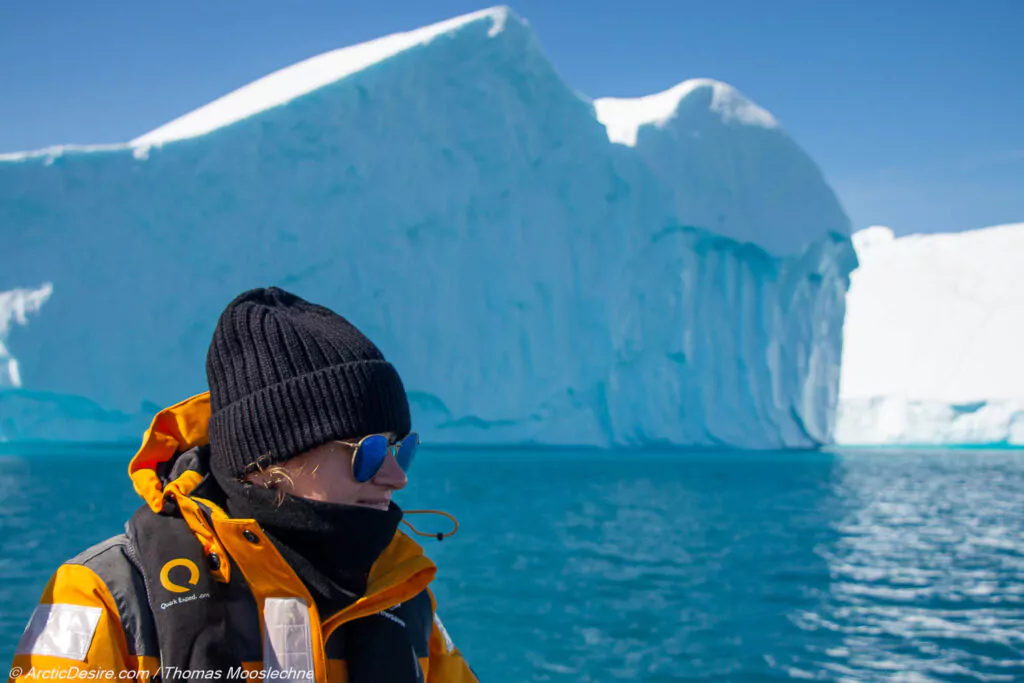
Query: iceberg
933, 327
15, 306
541, 267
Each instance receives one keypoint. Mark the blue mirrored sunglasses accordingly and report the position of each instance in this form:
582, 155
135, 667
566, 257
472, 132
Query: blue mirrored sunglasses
372, 450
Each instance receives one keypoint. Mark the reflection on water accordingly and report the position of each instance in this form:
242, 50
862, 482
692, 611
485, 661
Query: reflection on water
634, 567
927, 575
716, 566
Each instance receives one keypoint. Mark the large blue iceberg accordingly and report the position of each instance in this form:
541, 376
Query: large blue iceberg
541, 268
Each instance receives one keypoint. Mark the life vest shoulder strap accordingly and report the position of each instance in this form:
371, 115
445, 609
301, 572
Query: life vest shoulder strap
111, 562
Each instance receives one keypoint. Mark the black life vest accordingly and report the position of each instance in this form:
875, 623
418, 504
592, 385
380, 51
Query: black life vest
202, 624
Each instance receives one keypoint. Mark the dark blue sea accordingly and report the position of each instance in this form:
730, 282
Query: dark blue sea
583, 566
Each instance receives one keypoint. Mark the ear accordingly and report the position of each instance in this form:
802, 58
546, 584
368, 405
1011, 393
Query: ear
272, 477
256, 478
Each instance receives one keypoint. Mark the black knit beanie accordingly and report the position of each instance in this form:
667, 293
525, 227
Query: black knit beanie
287, 375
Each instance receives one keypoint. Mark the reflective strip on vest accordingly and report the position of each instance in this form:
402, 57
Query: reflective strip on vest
287, 643
448, 644
60, 630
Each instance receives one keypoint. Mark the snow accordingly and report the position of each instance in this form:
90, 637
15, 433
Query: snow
872, 238
15, 305
306, 76
932, 339
533, 281
50, 154
624, 117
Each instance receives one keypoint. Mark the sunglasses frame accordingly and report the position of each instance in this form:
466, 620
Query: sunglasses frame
397, 445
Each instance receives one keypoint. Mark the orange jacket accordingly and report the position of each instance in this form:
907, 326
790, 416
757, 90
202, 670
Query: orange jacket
93, 621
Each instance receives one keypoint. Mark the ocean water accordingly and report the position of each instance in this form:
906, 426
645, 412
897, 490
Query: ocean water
596, 566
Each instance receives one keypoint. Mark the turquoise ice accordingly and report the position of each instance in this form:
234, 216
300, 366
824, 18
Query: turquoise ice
677, 277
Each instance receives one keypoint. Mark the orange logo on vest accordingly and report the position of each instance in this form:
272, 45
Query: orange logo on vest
193, 576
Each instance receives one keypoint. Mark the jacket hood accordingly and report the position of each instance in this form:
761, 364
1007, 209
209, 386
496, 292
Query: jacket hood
182, 427
174, 430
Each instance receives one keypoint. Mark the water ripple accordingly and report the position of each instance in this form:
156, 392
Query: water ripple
883, 566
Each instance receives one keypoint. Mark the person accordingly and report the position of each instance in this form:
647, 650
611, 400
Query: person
268, 545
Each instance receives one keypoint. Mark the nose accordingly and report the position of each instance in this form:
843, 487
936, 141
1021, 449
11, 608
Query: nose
390, 474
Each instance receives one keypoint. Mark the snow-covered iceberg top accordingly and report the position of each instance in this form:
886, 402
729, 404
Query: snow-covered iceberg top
287, 84
722, 144
299, 79
624, 117
931, 347
52, 152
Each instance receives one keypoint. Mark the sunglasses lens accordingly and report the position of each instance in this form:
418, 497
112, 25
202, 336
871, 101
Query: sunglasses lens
369, 457
407, 451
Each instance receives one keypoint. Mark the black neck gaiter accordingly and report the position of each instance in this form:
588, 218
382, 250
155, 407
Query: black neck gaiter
329, 545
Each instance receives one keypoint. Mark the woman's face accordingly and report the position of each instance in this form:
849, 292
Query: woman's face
324, 473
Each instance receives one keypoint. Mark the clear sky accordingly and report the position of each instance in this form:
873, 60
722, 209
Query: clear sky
914, 109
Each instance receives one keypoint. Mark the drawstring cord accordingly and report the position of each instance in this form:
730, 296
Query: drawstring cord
439, 535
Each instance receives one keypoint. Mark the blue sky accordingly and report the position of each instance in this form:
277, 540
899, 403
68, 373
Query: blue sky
913, 109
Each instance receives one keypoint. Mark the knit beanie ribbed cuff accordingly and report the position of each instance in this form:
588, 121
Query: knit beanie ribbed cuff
285, 419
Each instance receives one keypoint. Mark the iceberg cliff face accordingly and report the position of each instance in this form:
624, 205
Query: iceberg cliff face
533, 280
932, 339
15, 306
